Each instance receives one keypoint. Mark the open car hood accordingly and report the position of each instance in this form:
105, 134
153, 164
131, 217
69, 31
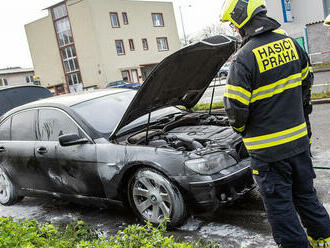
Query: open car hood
180, 79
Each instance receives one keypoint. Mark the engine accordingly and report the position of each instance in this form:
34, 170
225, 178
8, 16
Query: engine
201, 133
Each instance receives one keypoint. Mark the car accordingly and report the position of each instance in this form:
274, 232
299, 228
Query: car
131, 148
14, 96
224, 70
124, 84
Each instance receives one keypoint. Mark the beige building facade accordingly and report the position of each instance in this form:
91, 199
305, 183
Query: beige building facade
84, 44
16, 76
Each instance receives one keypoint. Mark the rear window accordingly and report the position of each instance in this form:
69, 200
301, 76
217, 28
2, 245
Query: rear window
22, 126
5, 130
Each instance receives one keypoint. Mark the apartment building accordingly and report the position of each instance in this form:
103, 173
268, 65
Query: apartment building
85, 44
16, 76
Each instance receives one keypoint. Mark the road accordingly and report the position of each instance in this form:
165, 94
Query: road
243, 223
321, 83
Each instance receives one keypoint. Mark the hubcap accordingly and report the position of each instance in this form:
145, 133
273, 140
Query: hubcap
152, 198
4, 188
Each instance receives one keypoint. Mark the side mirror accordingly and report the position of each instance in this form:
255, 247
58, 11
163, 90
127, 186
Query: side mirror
71, 140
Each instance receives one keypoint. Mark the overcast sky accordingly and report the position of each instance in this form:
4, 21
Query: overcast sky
14, 14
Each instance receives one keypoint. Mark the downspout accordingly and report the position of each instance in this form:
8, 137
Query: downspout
306, 39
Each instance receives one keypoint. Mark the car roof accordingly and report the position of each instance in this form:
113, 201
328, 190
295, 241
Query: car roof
67, 100
75, 98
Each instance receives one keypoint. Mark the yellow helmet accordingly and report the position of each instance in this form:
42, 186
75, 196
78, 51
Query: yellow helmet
239, 12
327, 21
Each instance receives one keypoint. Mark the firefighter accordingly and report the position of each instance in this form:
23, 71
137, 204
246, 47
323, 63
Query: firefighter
268, 82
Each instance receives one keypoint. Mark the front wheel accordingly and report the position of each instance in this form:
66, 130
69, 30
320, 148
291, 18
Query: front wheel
8, 194
153, 197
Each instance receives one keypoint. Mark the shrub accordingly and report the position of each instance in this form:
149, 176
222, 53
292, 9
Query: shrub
31, 234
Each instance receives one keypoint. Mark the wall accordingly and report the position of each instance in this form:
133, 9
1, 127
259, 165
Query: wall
304, 12
318, 41
17, 78
44, 52
140, 26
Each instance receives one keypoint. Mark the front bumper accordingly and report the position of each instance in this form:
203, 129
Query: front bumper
208, 193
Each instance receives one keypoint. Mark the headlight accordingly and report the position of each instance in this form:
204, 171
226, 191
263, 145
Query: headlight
211, 164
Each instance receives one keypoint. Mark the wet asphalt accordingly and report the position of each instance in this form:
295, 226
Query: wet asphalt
243, 223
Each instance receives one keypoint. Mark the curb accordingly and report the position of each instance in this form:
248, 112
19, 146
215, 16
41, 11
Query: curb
324, 69
321, 101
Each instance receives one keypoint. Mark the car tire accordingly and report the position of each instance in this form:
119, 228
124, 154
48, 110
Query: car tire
153, 197
8, 192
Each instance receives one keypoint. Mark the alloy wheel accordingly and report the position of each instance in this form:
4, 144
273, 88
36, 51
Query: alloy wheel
152, 196
4, 188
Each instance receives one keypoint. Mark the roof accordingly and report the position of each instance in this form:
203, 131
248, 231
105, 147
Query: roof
15, 70
54, 4
19, 86
73, 99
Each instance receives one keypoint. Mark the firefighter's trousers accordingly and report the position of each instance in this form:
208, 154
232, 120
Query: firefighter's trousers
287, 190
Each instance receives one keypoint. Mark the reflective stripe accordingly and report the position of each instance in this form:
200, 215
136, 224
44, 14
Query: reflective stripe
325, 243
305, 72
238, 93
276, 88
241, 129
277, 138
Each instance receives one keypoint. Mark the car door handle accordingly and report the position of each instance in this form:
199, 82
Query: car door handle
2, 149
42, 150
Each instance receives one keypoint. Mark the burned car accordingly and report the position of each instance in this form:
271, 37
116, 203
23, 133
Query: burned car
120, 146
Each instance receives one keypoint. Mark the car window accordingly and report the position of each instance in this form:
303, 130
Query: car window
22, 126
5, 130
54, 123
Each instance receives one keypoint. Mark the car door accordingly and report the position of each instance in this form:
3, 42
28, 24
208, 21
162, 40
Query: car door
17, 156
70, 169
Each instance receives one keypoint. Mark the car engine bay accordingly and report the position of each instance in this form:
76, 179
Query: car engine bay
193, 132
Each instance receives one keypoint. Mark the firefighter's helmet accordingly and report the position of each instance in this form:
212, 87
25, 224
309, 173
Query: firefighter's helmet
239, 12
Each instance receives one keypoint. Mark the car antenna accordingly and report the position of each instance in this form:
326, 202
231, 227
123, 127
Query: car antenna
212, 98
147, 134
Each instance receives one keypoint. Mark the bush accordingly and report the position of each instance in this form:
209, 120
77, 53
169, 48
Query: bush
31, 234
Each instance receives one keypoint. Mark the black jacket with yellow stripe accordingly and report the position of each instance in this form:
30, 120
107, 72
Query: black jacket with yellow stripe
268, 80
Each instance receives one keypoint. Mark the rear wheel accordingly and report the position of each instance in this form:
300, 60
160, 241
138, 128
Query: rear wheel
153, 197
8, 194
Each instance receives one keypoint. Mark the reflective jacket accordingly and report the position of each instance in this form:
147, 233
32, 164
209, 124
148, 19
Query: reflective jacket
268, 80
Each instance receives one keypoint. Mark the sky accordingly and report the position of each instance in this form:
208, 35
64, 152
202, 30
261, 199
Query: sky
14, 14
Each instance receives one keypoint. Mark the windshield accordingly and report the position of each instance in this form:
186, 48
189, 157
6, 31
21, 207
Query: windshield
104, 113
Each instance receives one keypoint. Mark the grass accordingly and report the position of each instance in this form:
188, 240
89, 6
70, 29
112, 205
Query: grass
206, 106
322, 65
321, 95
32, 234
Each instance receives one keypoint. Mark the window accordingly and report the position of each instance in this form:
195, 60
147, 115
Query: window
63, 31
131, 44
59, 12
162, 44
114, 20
54, 123
157, 19
69, 57
145, 44
3, 82
326, 5
125, 18
22, 126
29, 79
120, 47
5, 130
126, 76
135, 76
74, 79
